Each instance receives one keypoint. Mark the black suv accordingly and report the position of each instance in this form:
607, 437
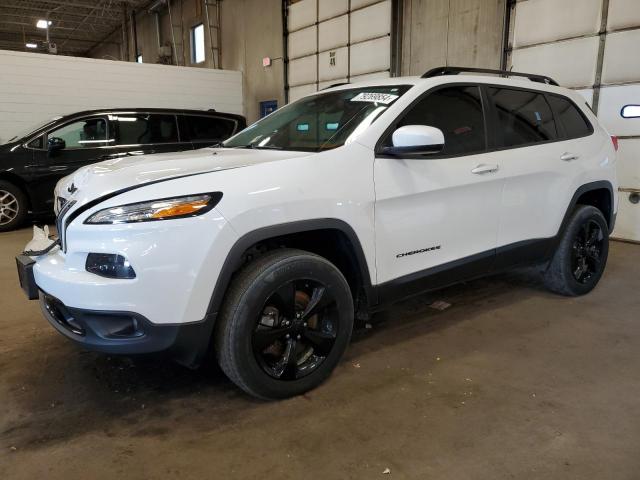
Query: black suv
30, 166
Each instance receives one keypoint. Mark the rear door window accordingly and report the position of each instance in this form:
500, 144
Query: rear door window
145, 128
203, 128
524, 117
573, 121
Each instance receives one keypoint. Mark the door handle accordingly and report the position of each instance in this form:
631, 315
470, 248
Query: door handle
567, 156
483, 168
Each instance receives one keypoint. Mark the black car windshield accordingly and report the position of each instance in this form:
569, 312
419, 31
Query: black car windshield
320, 122
26, 132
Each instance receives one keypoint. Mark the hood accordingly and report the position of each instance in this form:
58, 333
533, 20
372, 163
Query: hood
8, 147
97, 180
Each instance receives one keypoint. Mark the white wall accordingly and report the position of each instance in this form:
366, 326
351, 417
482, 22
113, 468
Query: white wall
36, 87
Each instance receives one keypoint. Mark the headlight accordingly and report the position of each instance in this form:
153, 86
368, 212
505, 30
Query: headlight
162, 209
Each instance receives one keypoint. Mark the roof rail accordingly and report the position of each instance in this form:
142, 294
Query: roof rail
435, 72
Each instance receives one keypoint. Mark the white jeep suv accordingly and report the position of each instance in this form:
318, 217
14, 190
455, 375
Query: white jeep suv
265, 248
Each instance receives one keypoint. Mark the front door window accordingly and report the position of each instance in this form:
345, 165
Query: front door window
86, 133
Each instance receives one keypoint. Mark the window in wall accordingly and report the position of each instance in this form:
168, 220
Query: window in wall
197, 44
524, 117
139, 58
574, 123
145, 129
457, 111
88, 133
630, 111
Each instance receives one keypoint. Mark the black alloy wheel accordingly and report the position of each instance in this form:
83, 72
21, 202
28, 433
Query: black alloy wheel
285, 322
587, 252
581, 254
297, 329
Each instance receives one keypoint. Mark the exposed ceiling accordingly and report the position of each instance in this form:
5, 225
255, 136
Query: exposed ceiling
78, 25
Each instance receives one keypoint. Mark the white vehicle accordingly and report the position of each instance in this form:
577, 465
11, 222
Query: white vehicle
266, 248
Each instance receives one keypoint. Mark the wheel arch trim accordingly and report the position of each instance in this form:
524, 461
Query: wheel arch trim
233, 261
586, 188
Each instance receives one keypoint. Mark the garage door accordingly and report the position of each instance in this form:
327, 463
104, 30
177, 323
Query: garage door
591, 46
335, 41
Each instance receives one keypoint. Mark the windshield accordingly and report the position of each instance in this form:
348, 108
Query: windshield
32, 129
320, 122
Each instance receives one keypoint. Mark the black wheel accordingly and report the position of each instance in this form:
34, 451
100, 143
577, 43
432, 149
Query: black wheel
581, 256
13, 206
285, 323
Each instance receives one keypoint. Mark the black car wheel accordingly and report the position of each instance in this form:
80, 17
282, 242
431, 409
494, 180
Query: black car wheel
286, 321
581, 256
13, 206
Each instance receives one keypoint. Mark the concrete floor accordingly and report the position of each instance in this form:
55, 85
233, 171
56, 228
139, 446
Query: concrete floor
509, 382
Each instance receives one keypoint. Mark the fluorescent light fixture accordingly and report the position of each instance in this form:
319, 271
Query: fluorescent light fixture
44, 23
31, 45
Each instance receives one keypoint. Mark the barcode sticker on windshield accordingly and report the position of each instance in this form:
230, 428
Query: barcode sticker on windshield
384, 98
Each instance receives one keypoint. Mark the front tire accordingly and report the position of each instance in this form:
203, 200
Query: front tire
284, 325
13, 206
581, 256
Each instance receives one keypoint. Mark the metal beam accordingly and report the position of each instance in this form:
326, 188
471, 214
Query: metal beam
98, 5
7, 35
52, 31
56, 19
114, 6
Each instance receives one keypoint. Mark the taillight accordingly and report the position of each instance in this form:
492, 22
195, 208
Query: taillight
614, 139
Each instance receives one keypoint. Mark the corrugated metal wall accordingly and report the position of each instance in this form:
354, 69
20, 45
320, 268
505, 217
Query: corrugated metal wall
590, 46
334, 41
37, 87
466, 33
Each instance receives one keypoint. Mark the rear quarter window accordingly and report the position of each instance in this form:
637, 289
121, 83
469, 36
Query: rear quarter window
572, 120
209, 128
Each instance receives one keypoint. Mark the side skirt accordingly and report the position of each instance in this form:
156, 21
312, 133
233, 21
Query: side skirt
468, 268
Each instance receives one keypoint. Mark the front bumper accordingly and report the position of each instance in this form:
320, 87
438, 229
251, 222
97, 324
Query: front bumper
127, 333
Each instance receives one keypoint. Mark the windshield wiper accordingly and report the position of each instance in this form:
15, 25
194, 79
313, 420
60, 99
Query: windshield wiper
258, 147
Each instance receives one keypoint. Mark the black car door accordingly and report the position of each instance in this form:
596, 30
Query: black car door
70, 146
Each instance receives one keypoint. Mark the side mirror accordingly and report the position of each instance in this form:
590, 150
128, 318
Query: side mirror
415, 139
55, 143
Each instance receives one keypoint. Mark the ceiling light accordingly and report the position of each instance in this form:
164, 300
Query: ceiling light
31, 45
44, 23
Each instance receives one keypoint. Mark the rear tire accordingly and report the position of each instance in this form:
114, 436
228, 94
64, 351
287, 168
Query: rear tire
581, 255
13, 206
286, 320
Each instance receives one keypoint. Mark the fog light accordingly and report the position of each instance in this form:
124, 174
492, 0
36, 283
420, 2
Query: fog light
109, 265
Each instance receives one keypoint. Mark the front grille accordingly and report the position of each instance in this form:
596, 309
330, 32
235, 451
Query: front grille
60, 226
